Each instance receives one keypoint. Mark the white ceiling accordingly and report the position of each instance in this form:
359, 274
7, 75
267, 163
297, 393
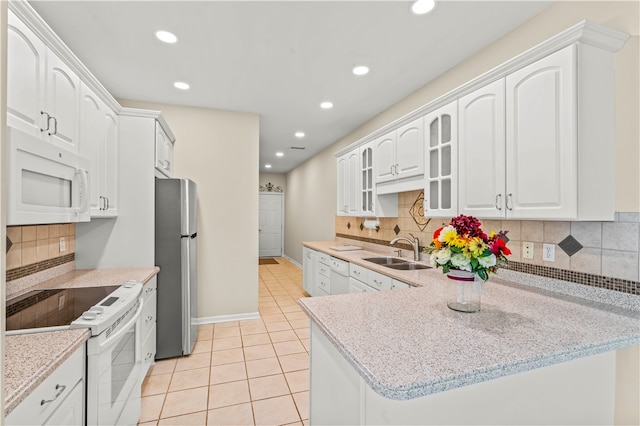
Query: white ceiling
279, 59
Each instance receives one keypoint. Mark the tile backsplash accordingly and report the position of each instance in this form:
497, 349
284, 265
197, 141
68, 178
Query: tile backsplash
32, 244
606, 249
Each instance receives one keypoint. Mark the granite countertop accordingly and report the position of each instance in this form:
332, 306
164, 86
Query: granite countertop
31, 358
98, 277
407, 343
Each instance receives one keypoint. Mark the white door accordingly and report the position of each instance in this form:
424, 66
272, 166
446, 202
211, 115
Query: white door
270, 224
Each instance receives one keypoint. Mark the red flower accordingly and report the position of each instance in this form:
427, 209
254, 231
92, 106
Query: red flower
498, 245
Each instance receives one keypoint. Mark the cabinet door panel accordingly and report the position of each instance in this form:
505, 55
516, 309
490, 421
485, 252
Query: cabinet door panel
353, 182
541, 147
63, 93
92, 147
410, 149
110, 184
482, 151
25, 78
441, 151
341, 190
384, 157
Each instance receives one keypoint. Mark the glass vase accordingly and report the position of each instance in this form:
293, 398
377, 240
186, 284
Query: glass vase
468, 291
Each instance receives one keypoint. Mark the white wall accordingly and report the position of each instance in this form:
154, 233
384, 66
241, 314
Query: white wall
311, 187
219, 151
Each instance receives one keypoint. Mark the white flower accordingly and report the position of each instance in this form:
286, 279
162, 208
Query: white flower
460, 261
446, 230
487, 261
443, 256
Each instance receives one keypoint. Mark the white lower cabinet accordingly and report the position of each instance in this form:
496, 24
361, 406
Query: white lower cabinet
59, 399
309, 261
147, 324
362, 280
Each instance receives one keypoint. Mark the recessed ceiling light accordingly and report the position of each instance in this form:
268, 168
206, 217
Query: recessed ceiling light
166, 37
326, 105
181, 85
421, 7
299, 134
361, 70
267, 166
279, 154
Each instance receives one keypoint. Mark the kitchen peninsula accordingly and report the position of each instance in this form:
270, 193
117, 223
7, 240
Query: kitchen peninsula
402, 357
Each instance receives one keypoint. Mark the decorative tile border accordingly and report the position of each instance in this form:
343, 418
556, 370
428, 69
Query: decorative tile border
599, 281
23, 271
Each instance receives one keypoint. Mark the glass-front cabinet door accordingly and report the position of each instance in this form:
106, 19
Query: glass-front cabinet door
441, 148
366, 181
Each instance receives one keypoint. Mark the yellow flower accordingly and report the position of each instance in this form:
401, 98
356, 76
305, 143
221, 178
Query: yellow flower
476, 247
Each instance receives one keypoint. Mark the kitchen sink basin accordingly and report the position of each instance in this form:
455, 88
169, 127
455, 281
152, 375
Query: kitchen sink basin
385, 261
408, 266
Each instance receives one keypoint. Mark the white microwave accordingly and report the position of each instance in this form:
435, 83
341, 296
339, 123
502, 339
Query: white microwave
45, 184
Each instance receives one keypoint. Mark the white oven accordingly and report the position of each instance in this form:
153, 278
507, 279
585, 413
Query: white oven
45, 184
114, 357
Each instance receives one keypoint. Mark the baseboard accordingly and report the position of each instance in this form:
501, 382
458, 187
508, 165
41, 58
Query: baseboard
292, 261
227, 318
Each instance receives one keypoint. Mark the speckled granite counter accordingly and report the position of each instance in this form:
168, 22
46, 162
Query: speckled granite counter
99, 277
407, 344
31, 358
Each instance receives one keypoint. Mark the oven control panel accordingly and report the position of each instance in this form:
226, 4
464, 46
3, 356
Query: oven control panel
107, 311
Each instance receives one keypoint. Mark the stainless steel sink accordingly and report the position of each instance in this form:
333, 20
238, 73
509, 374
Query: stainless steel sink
408, 266
385, 261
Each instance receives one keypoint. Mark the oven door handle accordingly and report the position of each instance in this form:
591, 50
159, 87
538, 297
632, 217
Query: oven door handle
114, 337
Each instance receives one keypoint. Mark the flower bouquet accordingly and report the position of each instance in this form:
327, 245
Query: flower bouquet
463, 245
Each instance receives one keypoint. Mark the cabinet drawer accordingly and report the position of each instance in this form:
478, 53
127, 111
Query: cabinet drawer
54, 390
324, 284
324, 269
379, 281
149, 289
396, 285
356, 286
148, 350
324, 258
148, 316
340, 266
358, 272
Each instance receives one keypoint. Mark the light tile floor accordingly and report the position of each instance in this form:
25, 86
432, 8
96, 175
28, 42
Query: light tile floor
253, 372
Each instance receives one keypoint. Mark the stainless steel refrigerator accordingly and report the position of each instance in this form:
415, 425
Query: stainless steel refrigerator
175, 254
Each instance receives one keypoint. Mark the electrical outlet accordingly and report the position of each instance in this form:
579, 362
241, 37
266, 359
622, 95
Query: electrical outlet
549, 252
63, 245
527, 250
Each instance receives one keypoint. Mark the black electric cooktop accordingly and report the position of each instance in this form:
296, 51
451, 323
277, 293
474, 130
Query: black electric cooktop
51, 308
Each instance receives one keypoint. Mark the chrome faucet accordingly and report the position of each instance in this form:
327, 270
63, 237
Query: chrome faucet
415, 244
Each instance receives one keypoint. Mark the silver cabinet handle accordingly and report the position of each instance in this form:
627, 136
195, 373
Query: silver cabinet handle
101, 202
108, 203
509, 202
59, 389
499, 201
55, 126
46, 114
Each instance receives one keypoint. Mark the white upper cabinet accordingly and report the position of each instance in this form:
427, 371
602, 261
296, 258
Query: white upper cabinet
43, 93
348, 183
99, 135
481, 159
541, 151
164, 152
410, 150
370, 203
399, 159
441, 152
385, 157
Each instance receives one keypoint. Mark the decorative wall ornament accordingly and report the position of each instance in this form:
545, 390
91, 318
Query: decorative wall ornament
417, 212
269, 187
